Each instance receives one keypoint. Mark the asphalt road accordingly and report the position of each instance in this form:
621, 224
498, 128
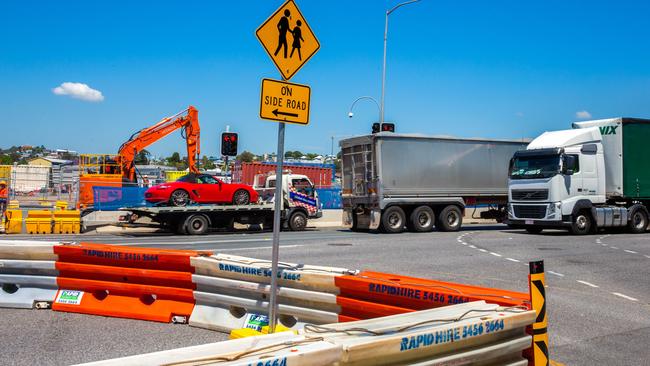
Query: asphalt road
598, 288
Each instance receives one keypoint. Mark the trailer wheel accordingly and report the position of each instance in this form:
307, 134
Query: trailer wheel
422, 219
298, 221
179, 198
393, 219
196, 225
450, 219
638, 220
582, 223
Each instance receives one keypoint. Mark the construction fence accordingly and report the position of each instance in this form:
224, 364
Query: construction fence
39, 186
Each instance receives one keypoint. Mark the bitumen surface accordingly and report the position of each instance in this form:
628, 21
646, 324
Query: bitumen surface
598, 294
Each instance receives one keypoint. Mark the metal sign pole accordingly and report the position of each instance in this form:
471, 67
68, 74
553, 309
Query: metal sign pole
279, 199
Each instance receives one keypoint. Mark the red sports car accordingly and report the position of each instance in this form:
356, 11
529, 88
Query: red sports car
200, 188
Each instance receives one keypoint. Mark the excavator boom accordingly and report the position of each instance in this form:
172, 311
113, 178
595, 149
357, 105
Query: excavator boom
188, 120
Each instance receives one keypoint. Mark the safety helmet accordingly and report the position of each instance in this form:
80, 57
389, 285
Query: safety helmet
2, 182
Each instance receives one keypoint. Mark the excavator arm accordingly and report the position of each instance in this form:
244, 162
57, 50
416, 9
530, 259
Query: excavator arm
187, 119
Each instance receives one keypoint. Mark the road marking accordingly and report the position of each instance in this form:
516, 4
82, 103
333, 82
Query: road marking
588, 284
630, 251
496, 254
647, 256
555, 273
473, 246
624, 296
464, 243
482, 250
614, 247
256, 248
513, 260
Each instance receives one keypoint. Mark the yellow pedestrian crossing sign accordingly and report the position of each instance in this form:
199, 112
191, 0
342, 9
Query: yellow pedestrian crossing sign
287, 39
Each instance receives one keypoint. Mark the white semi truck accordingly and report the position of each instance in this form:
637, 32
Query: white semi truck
594, 176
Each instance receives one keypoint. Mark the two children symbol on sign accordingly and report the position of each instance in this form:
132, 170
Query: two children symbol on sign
283, 29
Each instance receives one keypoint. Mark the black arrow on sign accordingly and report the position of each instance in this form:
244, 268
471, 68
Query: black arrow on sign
277, 112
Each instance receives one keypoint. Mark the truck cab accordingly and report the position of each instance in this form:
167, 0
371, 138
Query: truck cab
573, 179
300, 197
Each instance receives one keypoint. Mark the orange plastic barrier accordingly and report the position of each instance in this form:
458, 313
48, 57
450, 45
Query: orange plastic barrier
133, 257
418, 294
357, 309
126, 282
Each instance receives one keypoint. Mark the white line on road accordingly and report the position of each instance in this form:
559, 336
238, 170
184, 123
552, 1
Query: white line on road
624, 296
473, 246
482, 250
588, 284
614, 247
496, 254
555, 273
256, 248
647, 256
630, 251
513, 260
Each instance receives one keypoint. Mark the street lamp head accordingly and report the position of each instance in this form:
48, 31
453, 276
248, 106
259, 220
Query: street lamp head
350, 114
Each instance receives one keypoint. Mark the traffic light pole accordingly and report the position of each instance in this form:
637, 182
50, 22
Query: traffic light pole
275, 256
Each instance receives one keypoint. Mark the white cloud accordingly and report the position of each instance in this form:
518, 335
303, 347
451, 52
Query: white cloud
79, 91
583, 115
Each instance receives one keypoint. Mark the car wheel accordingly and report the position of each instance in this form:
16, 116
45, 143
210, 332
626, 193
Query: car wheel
298, 221
179, 198
450, 219
534, 230
638, 220
241, 197
393, 219
196, 225
422, 219
582, 223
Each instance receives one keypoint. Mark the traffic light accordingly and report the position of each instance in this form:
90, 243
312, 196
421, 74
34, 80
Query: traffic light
229, 144
387, 127
375, 127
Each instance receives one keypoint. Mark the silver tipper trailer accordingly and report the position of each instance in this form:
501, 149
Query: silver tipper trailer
392, 181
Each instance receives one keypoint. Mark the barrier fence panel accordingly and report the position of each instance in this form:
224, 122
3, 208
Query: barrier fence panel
113, 198
330, 198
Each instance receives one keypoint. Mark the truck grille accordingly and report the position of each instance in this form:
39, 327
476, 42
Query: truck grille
530, 211
529, 194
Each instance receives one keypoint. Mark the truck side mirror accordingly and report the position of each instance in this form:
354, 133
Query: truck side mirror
568, 164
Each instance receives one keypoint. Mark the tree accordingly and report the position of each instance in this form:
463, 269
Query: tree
246, 157
174, 159
207, 163
143, 157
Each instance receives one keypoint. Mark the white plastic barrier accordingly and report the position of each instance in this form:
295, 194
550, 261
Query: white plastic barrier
434, 337
27, 274
474, 333
279, 349
232, 289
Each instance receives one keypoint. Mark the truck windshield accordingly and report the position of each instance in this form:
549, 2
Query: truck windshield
530, 167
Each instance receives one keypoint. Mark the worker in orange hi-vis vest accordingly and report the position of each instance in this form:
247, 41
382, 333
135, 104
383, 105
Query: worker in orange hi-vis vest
3, 197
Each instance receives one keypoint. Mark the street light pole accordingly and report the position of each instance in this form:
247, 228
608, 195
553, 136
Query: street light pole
383, 75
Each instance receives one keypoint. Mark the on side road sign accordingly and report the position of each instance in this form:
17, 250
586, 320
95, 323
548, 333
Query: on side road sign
285, 102
287, 39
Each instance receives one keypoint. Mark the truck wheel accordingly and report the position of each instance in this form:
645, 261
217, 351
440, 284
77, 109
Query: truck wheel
534, 230
638, 220
582, 223
241, 197
422, 219
393, 219
179, 198
298, 221
196, 225
450, 219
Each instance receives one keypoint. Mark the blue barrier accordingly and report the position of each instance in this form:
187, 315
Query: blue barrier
330, 198
113, 198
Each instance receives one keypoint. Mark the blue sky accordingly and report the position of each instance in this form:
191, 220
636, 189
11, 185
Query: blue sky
501, 69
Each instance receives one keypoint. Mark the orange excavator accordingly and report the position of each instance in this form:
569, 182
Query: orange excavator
116, 170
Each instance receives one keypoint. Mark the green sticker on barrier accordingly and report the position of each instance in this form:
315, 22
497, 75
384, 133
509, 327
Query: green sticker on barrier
256, 321
69, 297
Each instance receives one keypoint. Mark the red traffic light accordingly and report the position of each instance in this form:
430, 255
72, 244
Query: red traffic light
388, 127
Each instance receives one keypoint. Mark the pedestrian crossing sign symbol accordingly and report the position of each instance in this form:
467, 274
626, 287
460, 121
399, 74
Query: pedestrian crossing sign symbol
287, 39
